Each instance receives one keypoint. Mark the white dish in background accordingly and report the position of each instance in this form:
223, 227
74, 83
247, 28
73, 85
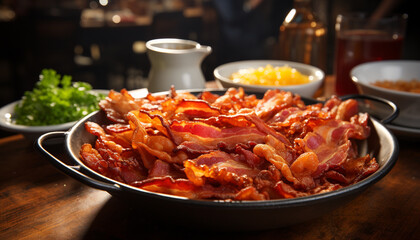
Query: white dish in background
392, 70
224, 72
30, 132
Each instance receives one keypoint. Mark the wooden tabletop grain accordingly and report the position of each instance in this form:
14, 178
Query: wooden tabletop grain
37, 201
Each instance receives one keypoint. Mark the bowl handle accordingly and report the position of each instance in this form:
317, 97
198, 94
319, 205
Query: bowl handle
72, 171
387, 119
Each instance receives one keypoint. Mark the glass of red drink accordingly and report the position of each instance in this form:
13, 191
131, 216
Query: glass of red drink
361, 39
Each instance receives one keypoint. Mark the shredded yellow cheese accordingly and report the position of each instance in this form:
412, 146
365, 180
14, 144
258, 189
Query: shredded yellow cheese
271, 76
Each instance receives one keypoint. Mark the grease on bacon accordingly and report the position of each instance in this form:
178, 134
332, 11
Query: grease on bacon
230, 147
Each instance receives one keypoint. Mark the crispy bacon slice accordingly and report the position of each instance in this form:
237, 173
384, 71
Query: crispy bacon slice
208, 97
185, 188
353, 170
210, 136
197, 109
117, 105
234, 100
269, 153
272, 102
236, 120
303, 168
347, 109
116, 139
265, 128
162, 169
147, 120
249, 157
331, 143
159, 146
122, 133
220, 167
167, 185
111, 159
287, 191
250, 193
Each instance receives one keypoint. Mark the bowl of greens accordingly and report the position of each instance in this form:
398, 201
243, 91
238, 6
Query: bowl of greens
54, 104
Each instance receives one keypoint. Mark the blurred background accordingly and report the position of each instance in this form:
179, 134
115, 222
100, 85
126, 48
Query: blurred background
103, 41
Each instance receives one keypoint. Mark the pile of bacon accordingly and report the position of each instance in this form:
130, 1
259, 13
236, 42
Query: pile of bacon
229, 147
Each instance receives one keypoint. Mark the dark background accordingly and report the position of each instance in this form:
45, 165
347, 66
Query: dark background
52, 34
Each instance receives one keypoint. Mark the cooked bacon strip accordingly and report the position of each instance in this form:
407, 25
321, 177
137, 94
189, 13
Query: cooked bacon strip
167, 185
152, 121
236, 120
353, 170
185, 188
93, 159
208, 97
303, 168
122, 133
287, 191
305, 164
122, 166
192, 149
94, 128
221, 167
287, 115
272, 102
112, 157
197, 128
181, 95
281, 149
197, 109
331, 105
347, 109
159, 146
162, 169
250, 193
116, 140
234, 100
211, 137
328, 153
263, 127
275, 101
117, 105
249, 157
265, 181
208, 131
118, 128
269, 153
331, 143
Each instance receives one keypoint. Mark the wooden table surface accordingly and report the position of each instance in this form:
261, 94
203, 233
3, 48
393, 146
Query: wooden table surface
37, 201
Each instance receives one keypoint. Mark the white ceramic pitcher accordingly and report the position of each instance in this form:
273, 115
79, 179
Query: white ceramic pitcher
175, 62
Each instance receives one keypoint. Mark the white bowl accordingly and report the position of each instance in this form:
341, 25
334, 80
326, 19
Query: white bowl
409, 103
224, 72
30, 132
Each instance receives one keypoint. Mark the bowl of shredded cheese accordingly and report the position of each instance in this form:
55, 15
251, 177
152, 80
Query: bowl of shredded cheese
261, 75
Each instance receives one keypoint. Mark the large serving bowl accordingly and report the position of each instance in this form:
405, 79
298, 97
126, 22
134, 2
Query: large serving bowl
392, 70
221, 215
224, 72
